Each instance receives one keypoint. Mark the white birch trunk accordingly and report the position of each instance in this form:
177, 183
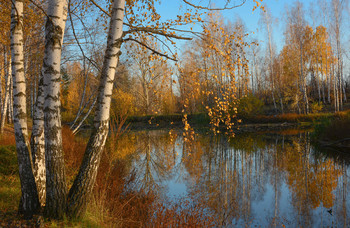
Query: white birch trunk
75, 130
55, 174
37, 143
81, 108
83, 184
37, 137
6, 97
10, 102
29, 200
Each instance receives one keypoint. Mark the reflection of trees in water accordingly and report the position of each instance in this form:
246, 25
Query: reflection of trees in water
233, 178
311, 181
228, 177
234, 174
342, 210
155, 160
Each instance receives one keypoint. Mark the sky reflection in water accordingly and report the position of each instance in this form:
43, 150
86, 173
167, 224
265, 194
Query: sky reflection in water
264, 180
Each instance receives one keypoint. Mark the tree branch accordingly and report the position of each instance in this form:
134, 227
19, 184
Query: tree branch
77, 40
209, 8
155, 31
151, 49
98, 6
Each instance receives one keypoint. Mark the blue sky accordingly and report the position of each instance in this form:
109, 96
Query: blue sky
170, 8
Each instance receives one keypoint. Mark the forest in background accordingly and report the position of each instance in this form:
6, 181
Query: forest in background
307, 75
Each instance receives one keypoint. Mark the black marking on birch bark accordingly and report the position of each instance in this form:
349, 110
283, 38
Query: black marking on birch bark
21, 115
58, 79
53, 97
53, 34
38, 118
20, 94
50, 70
84, 182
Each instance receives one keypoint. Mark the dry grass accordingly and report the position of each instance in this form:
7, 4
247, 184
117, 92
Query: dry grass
115, 203
293, 117
8, 137
74, 149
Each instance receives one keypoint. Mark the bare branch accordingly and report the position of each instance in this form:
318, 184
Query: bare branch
164, 44
77, 40
98, 6
151, 49
155, 31
209, 8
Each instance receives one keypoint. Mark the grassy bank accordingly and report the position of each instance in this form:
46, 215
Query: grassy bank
114, 202
334, 132
202, 120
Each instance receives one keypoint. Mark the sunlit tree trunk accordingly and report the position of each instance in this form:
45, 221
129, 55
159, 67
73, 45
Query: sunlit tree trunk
37, 143
5, 103
81, 105
83, 184
323, 82
10, 100
29, 199
37, 138
303, 80
56, 190
75, 130
318, 83
328, 83
343, 83
268, 23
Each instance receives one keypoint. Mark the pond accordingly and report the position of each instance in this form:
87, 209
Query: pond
260, 179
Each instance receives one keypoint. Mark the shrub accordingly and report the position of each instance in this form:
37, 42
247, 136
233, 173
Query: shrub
250, 106
8, 160
316, 107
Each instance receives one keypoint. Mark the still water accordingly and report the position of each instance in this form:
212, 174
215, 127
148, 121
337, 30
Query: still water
253, 180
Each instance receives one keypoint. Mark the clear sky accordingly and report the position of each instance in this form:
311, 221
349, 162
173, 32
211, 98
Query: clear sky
170, 8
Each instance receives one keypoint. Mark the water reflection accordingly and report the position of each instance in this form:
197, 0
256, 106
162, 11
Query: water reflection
263, 180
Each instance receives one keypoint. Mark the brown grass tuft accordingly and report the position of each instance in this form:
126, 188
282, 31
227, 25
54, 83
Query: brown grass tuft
74, 149
8, 137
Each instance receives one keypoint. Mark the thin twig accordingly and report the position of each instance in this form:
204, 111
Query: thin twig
155, 31
151, 49
215, 9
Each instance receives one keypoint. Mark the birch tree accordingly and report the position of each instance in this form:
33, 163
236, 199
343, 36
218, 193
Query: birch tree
5, 101
55, 173
84, 182
29, 199
297, 26
268, 20
336, 22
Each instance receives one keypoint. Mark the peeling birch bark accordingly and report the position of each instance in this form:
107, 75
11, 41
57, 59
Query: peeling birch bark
85, 180
29, 200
